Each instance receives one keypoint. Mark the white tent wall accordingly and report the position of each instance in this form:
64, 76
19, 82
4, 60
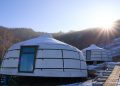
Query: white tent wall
48, 63
98, 55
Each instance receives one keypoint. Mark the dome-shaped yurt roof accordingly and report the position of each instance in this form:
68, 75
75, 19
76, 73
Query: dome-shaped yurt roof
93, 47
44, 56
45, 40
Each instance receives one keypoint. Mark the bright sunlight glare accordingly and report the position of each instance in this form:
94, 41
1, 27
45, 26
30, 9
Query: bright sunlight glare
104, 21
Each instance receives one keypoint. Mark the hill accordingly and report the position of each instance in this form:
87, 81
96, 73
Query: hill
79, 39
84, 38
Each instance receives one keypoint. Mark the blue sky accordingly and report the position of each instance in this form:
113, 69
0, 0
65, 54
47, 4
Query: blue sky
58, 15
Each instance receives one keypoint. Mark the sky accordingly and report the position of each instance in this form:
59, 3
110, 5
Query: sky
58, 15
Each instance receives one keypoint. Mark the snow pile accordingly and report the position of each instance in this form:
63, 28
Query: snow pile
96, 67
112, 64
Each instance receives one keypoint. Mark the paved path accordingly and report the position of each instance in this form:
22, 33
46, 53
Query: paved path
113, 79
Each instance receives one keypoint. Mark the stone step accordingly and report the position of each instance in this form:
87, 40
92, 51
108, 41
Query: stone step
106, 74
97, 83
101, 79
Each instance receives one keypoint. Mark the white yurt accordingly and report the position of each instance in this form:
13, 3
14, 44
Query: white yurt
95, 53
43, 57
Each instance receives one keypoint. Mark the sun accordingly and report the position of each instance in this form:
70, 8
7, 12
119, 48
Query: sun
106, 25
105, 22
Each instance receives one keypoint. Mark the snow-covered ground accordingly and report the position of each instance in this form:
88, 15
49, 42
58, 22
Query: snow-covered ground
112, 64
97, 68
102, 65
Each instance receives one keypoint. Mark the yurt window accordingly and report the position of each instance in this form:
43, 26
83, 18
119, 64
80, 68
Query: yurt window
88, 54
27, 58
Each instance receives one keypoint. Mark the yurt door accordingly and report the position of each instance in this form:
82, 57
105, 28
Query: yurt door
88, 54
27, 58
